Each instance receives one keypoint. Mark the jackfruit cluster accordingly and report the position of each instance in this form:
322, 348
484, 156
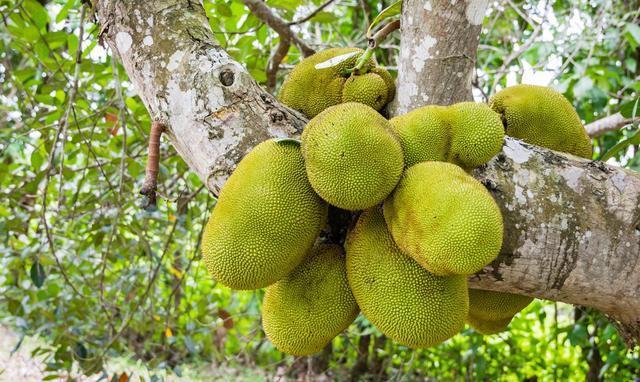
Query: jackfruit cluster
326, 79
491, 312
541, 116
426, 223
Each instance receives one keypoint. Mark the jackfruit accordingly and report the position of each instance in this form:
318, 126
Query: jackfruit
352, 158
444, 219
266, 218
467, 134
494, 306
398, 296
541, 116
305, 310
388, 79
310, 90
369, 89
487, 327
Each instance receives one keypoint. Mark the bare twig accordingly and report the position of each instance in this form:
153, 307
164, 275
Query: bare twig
610, 123
264, 13
151, 172
310, 15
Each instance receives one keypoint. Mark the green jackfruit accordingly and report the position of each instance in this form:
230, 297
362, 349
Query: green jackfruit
467, 134
305, 310
494, 306
352, 158
401, 298
487, 327
388, 79
310, 90
541, 116
444, 219
369, 89
266, 219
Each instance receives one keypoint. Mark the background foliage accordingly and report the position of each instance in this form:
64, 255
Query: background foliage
90, 271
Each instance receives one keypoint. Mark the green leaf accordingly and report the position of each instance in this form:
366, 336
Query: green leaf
38, 274
324, 17
631, 108
390, 11
632, 33
224, 10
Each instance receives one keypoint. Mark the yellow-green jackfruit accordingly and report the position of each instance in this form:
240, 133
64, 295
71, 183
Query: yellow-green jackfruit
444, 219
493, 306
388, 79
352, 158
467, 134
305, 310
491, 312
487, 327
541, 116
401, 298
310, 90
266, 219
369, 89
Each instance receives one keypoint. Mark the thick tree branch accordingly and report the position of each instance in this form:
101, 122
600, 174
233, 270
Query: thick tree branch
573, 226
610, 123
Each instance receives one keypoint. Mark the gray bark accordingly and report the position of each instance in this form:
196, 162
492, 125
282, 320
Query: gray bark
438, 52
573, 230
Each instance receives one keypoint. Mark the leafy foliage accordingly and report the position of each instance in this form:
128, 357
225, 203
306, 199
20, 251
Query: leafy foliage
89, 270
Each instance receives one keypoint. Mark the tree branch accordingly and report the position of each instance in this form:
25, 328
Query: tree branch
610, 123
262, 11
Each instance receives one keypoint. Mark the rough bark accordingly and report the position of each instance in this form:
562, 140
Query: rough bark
438, 52
573, 230
214, 110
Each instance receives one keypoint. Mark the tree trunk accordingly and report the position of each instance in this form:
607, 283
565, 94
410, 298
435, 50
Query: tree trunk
572, 226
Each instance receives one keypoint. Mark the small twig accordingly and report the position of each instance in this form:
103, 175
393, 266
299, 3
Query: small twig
153, 164
610, 123
310, 15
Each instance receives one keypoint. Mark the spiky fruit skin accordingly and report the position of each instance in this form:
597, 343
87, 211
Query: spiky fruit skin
541, 116
467, 134
388, 79
369, 89
444, 219
477, 135
398, 296
305, 310
352, 158
423, 134
487, 327
310, 90
266, 218
495, 306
